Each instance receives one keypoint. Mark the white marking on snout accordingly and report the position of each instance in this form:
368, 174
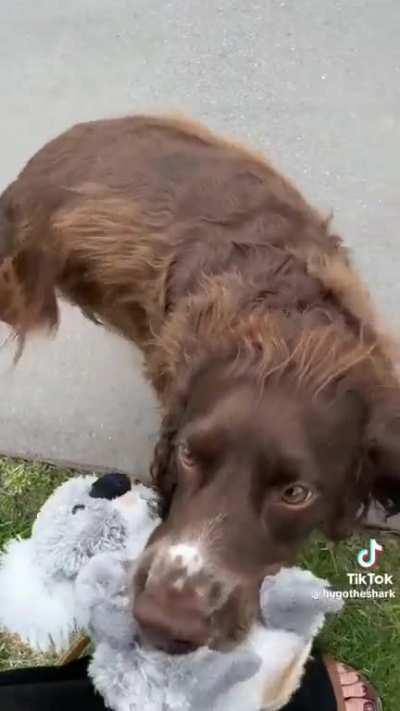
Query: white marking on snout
188, 557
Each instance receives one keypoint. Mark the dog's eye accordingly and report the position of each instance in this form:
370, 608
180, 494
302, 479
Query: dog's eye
297, 495
185, 455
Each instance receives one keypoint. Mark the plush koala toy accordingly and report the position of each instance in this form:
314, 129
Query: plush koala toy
84, 516
261, 673
75, 572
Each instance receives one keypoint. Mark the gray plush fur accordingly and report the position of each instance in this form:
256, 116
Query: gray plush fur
37, 575
71, 527
297, 601
76, 571
131, 678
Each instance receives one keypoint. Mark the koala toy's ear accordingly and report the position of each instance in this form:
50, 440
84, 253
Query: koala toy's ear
296, 601
43, 616
110, 486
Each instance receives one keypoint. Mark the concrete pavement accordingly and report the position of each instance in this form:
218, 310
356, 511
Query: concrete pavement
315, 85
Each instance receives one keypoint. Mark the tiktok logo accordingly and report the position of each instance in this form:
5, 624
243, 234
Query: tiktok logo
367, 557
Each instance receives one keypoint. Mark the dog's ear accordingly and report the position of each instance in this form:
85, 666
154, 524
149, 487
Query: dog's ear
163, 468
6, 234
349, 491
384, 453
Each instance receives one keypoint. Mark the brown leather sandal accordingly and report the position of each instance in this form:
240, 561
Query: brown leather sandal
371, 700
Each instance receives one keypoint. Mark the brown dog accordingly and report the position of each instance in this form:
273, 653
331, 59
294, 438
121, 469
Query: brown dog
281, 404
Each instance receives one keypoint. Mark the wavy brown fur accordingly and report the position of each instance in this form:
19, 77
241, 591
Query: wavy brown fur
194, 248
213, 323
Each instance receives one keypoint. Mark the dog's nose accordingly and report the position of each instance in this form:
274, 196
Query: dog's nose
171, 620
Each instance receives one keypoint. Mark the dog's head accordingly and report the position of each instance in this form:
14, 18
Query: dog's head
245, 474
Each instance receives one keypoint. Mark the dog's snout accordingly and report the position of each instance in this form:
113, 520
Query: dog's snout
172, 620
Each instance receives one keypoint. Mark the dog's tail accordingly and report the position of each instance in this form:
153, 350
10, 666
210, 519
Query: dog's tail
27, 280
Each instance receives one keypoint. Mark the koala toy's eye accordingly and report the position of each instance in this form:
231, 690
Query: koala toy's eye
77, 507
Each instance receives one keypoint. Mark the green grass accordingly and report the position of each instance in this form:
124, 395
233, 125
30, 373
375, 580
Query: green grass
366, 635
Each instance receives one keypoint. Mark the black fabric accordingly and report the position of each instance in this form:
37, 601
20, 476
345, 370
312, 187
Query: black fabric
69, 688
66, 688
316, 691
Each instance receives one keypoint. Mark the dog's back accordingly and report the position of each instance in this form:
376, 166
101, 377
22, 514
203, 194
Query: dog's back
101, 211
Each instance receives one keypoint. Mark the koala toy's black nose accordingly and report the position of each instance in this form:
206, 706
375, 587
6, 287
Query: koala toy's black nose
110, 486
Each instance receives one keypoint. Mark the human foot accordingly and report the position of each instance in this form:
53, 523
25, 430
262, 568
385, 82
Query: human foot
353, 692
